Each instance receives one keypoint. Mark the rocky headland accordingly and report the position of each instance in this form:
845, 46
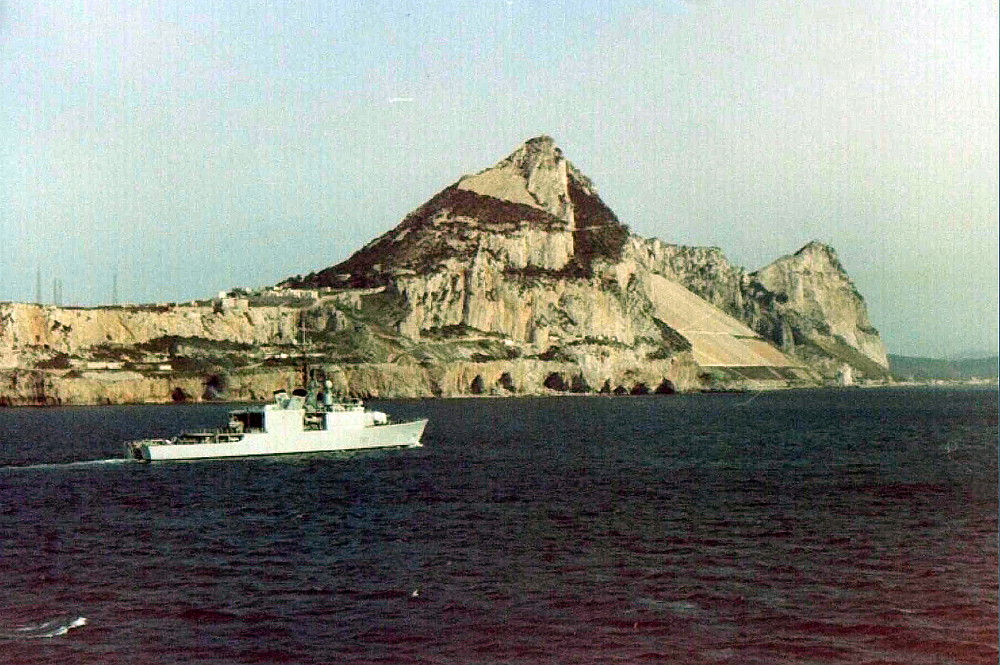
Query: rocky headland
515, 280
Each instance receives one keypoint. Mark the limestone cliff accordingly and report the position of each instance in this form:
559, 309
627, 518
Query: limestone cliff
828, 318
469, 255
528, 252
532, 212
804, 303
514, 280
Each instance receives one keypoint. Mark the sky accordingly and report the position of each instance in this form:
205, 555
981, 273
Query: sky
185, 148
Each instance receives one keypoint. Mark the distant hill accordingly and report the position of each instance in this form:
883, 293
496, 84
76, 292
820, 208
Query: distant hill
906, 367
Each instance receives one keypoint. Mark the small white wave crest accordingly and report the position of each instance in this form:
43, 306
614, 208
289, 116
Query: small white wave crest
70, 465
45, 629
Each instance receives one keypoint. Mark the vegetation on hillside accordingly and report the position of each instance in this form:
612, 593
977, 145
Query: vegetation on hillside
910, 368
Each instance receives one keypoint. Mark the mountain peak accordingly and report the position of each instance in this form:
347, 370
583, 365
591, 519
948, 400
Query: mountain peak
533, 208
536, 174
816, 247
541, 142
534, 150
814, 256
819, 256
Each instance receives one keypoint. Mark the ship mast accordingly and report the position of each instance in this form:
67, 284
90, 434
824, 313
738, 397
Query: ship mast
302, 347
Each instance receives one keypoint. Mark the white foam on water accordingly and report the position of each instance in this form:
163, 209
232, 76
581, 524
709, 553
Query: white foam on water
43, 630
71, 465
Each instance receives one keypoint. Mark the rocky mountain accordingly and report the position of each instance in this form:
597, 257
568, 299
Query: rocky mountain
803, 303
533, 211
489, 251
515, 280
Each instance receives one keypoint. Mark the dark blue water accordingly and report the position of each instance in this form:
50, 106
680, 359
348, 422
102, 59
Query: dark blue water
794, 527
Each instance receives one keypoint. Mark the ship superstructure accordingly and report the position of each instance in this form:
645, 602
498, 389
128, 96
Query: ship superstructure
303, 422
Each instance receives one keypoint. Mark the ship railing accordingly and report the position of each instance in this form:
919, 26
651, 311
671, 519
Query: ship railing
215, 435
346, 407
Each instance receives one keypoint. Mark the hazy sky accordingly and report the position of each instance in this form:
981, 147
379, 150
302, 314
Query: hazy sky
192, 147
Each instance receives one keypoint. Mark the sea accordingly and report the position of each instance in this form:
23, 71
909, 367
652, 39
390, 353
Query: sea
805, 527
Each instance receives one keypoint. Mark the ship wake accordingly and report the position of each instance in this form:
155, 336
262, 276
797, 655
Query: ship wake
42, 630
69, 465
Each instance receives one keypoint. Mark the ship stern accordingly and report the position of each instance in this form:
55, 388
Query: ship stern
137, 450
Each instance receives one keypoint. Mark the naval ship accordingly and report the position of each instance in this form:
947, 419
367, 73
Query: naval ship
303, 422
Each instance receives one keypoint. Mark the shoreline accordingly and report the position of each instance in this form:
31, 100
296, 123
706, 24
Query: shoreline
971, 384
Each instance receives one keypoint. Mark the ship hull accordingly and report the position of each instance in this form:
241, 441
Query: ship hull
396, 435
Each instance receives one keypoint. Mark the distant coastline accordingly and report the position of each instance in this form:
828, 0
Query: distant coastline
912, 368
981, 384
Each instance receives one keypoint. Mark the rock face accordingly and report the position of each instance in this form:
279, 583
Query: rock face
535, 175
532, 212
514, 280
804, 303
46, 330
818, 303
